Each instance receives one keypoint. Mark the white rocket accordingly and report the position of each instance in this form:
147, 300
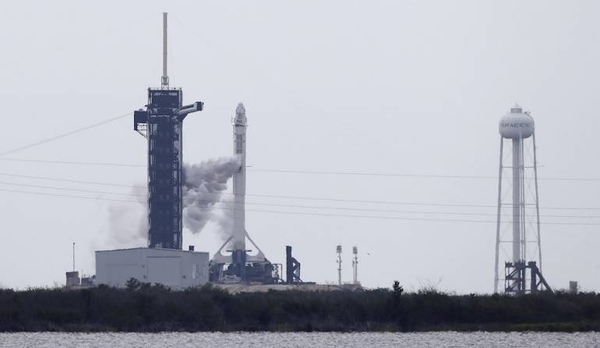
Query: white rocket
239, 179
237, 241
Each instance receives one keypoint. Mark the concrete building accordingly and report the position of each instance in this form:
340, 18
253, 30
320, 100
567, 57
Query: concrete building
177, 269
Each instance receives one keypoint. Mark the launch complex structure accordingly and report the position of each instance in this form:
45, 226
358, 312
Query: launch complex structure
161, 123
165, 261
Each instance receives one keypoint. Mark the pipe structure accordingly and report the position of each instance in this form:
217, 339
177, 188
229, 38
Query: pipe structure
516, 198
496, 275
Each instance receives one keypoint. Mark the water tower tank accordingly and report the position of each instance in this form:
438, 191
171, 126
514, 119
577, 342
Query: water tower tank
516, 124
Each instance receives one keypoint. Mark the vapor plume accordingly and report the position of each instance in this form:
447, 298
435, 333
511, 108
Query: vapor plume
222, 216
128, 223
203, 186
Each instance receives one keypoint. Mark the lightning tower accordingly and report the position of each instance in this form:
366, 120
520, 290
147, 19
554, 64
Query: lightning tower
518, 221
338, 250
355, 265
240, 265
162, 125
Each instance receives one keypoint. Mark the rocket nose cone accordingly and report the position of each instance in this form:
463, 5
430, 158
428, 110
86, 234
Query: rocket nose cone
240, 115
240, 110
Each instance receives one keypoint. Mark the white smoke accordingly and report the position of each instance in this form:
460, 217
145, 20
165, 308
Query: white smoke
128, 223
222, 216
203, 186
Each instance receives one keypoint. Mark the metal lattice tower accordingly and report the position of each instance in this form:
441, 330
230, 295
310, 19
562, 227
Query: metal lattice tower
162, 125
518, 220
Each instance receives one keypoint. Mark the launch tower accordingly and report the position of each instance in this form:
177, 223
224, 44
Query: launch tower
519, 217
162, 125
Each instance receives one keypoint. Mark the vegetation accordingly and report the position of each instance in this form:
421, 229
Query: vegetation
145, 307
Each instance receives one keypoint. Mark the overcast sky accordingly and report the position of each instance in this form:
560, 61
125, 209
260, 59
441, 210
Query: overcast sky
383, 87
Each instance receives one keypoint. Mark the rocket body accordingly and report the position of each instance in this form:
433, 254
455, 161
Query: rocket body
235, 266
239, 180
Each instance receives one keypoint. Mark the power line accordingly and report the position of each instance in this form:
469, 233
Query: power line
255, 203
407, 203
107, 164
56, 137
412, 219
69, 180
308, 172
71, 189
401, 211
252, 210
373, 201
305, 213
400, 175
296, 197
251, 203
68, 196
394, 175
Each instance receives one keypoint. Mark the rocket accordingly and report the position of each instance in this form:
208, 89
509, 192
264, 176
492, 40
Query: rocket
235, 264
239, 179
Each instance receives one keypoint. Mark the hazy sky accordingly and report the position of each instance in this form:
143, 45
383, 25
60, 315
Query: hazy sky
400, 87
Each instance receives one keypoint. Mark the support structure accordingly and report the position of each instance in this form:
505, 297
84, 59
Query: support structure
292, 267
162, 125
518, 127
515, 275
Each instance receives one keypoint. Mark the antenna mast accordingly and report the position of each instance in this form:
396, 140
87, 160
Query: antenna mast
339, 262
164, 80
73, 256
355, 265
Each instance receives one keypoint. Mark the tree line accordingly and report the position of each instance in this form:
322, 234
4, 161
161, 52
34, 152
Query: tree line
153, 308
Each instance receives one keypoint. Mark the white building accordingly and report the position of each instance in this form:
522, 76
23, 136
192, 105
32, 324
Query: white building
177, 269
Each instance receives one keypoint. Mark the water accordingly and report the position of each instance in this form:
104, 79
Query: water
312, 340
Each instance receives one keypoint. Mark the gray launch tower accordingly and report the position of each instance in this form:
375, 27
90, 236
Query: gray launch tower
162, 125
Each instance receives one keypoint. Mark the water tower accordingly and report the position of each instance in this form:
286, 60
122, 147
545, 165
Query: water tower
518, 223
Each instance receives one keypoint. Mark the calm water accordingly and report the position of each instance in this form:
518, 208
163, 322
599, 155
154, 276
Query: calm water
311, 340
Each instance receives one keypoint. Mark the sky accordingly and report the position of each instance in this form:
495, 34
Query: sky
408, 94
